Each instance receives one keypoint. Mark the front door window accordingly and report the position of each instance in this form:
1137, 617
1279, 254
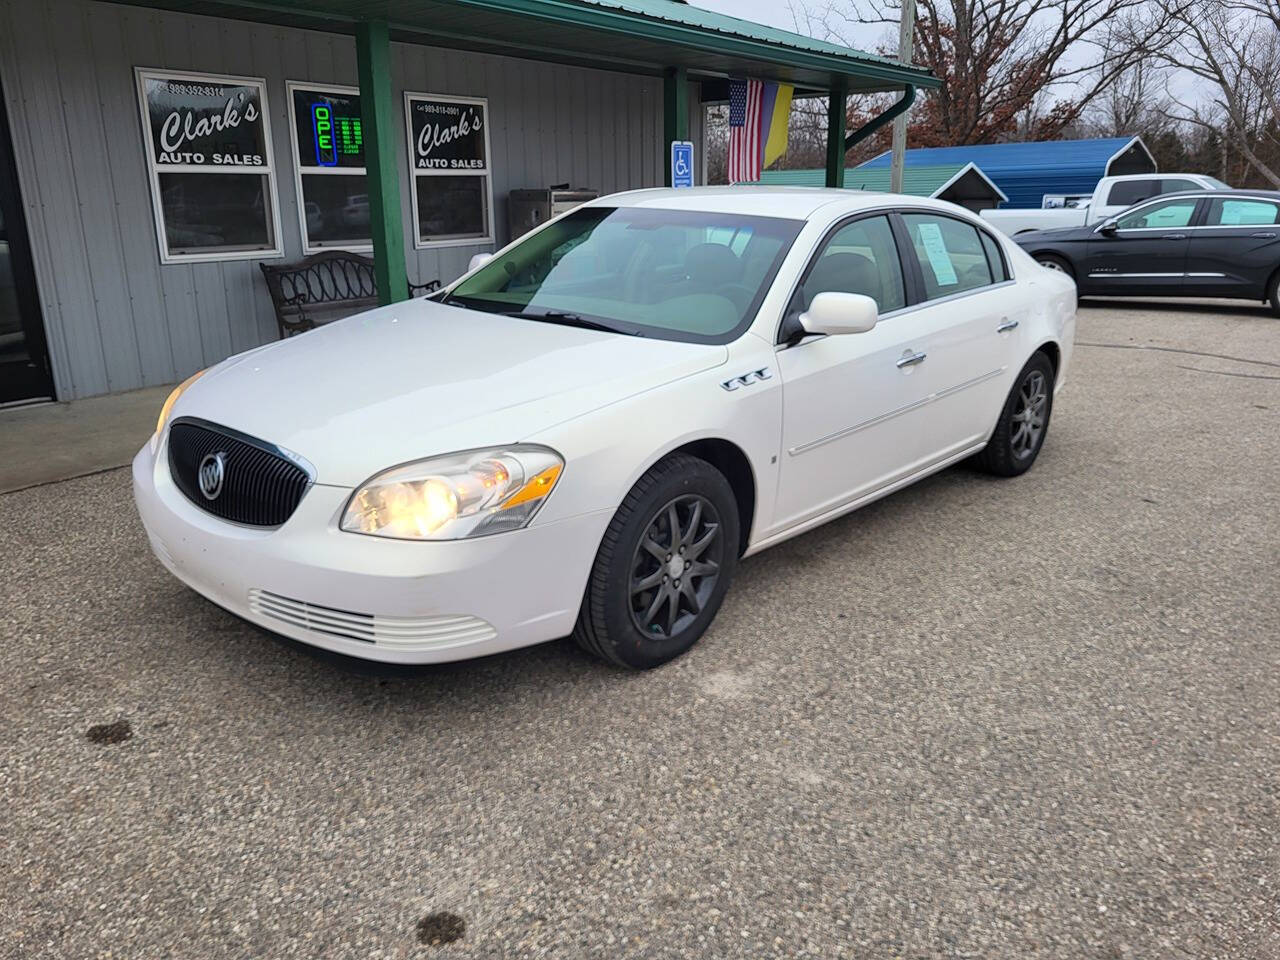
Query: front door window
1169, 215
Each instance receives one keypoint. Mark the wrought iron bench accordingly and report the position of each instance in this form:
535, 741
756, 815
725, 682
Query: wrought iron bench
324, 287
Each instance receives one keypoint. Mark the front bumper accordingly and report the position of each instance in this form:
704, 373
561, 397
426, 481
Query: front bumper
369, 597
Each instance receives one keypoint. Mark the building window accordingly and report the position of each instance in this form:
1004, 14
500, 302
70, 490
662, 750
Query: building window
328, 150
209, 158
449, 163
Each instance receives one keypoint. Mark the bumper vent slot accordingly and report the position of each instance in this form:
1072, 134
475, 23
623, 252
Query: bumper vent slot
368, 627
260, 486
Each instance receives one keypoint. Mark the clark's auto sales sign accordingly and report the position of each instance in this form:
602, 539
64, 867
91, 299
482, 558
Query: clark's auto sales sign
203, 122
447, 133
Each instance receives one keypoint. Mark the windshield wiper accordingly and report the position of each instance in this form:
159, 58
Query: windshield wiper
571, 320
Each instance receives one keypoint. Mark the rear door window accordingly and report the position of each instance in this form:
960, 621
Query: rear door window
1174, 185
1242, 213
994, 257
950, 253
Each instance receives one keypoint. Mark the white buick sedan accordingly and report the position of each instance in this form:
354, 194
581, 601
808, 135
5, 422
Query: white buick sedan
585, 434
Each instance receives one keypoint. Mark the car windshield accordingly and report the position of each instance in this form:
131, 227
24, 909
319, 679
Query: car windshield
668, 274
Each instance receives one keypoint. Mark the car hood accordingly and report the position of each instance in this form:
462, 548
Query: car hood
1057, 233
417, 379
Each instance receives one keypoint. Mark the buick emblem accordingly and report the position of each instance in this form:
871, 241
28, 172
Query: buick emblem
213, 470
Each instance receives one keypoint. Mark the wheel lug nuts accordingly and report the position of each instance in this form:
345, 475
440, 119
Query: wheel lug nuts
682, 549
665, 578
677, 583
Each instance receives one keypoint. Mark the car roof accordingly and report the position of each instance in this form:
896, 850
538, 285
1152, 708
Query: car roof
1158, 176
792, 203
1219, 194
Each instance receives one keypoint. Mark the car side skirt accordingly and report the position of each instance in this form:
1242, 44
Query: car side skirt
862, 501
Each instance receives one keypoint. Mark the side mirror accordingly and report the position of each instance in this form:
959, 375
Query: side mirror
836, 313
478, 261
1109, 226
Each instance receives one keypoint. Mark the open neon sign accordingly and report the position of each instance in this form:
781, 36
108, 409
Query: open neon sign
322, 127
334, 136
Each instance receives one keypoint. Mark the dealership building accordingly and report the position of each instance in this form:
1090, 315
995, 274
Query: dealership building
155, 154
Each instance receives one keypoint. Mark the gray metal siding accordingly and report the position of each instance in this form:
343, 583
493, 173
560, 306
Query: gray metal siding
118, 319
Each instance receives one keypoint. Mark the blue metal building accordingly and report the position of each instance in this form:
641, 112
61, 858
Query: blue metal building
1027, 172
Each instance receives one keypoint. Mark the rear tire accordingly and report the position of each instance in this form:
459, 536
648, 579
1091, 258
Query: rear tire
1274, 290
1024, 422
663, 567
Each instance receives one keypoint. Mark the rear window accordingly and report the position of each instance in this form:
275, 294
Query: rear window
1128, 192
1174, 185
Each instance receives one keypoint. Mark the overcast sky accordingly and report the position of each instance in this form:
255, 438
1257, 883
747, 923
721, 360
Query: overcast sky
777, 13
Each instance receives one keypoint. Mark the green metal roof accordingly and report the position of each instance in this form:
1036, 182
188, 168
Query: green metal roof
635, 36
917, 181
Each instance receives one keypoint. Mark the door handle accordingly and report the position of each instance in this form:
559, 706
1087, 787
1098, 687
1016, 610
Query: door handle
1006, 326
1263, 236
1174, 236
912, 360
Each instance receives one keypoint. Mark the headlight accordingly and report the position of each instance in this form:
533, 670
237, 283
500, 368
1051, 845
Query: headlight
173, 398
460, 495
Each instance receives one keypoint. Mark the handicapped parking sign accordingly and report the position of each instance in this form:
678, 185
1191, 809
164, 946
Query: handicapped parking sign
681, 163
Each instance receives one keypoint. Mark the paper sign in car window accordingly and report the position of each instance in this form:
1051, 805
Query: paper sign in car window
936, 251
1247, 213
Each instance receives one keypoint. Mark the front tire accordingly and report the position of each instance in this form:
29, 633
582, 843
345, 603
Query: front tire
1274, 291
663, 567
1055, 263
1023, 423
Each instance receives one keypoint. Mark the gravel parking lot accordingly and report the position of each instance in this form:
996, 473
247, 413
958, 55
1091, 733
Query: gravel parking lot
1028, 718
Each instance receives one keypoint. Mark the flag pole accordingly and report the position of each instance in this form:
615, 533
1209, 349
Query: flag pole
906, 38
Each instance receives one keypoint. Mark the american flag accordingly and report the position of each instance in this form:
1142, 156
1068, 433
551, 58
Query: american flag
746, 99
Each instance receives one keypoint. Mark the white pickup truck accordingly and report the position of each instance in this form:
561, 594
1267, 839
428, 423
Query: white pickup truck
1110, 197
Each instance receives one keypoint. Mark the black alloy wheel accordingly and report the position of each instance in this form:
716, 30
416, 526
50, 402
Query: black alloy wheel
676, 566
663, 566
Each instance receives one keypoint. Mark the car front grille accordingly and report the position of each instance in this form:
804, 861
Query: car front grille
258, 485
437, 631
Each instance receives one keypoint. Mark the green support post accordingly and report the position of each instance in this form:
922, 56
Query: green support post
675, 113
381, 151
835, 133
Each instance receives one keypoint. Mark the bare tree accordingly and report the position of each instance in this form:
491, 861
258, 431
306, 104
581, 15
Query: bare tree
1233, 46
1009, 67
1137, 102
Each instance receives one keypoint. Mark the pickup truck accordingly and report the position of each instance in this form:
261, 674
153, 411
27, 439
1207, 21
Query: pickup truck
1110, 197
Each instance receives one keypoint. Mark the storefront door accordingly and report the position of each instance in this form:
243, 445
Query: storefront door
24, 358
